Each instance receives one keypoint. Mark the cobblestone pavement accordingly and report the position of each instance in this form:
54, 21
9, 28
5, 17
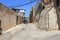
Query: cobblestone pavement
29, 32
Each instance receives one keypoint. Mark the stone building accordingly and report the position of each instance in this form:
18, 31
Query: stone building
39, 8
57, 6
7, 18
20, 15
35, 13
32, 15
10, 18
47, 15
49, 19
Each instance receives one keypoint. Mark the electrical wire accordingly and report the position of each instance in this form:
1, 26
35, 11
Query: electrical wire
23, 4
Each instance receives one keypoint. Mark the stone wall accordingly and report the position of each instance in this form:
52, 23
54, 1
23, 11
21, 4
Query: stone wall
48, 20
20, 19
7, 17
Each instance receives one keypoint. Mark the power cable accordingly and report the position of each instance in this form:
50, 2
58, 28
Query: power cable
23, 4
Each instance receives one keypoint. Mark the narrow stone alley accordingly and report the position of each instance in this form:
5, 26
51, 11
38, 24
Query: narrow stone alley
30, 20
29, 32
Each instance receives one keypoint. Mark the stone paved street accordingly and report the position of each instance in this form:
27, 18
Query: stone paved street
29, 32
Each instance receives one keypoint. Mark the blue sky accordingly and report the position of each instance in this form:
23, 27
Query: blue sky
19, 2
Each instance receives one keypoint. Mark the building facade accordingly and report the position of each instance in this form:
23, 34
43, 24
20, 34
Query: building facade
20, 13
10, 17
32, 15
7, 18
47, 15
35, 13
57, 6
49, 19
